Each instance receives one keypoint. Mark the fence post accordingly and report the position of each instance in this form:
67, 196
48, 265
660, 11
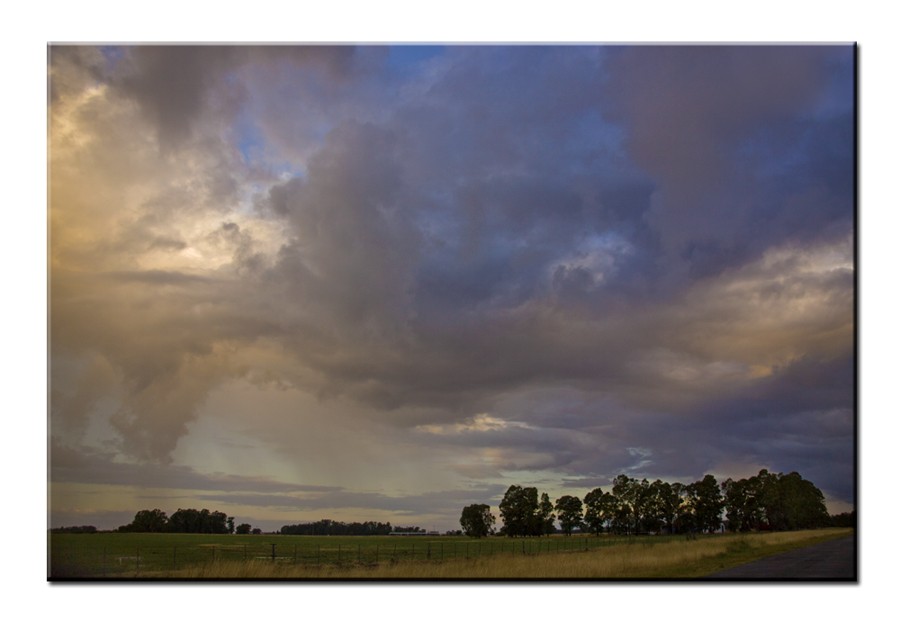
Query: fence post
358, 553
174, 560
295, 554
137, 561
273, 551
376, 553
428, 551
339, 554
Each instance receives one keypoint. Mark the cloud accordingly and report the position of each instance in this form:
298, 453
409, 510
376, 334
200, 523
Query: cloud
89, 466
175, 86
726, 132
569, 261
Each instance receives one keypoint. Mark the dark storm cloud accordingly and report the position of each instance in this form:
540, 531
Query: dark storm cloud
173, 84
657, 239
801, 418
728, 134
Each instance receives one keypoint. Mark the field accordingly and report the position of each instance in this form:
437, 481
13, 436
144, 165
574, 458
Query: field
199, 556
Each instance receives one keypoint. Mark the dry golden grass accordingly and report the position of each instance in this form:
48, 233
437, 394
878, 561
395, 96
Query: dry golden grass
672, 558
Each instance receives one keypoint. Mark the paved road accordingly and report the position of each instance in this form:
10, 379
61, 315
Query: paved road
831, 560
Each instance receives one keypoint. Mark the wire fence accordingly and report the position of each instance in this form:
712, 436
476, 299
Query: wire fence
122, 560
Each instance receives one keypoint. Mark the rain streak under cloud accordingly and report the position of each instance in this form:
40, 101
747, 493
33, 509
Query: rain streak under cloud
382, 283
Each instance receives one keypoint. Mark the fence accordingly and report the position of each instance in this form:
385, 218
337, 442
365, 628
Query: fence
123, 560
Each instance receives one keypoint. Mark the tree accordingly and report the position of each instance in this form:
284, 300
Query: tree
569, 511
149, 521
520, 512
844, 519
773, 501
545, 517
743, 508
191, 521
600, 509
708, 504
628, 495
791, 502
666, 502
592, 514
230, 521
477, 520
685, 515
243, 528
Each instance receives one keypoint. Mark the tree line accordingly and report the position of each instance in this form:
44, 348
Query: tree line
184, 521
327, 527
766, 501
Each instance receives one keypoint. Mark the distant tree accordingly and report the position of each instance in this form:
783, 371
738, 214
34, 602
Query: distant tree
477, 520
625, 490
191, 521
791, 502
844, 519
408, 529
256, 531
520, 512
686, 514
744, 510
665, 503
599, 509
327, 527
243, 528
230, 521
773, 501
185, 521
545, 516
75, 529
148, 521
708, 504
569, 511
592, 516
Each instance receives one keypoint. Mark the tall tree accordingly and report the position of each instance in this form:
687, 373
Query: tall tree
791, 502
569, 511
708, 505
621, 490
659, 506
477, 520
667, 502
594, 516
545, 516
149, 521
520, 512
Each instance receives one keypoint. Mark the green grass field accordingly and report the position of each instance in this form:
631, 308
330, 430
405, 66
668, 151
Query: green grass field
125, 555
202, 556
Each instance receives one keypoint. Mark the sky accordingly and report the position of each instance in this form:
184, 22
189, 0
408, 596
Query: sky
386, 282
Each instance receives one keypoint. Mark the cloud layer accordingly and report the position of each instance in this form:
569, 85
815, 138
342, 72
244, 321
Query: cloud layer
469, 265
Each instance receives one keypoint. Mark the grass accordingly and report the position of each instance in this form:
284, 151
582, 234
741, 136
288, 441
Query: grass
661, 557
